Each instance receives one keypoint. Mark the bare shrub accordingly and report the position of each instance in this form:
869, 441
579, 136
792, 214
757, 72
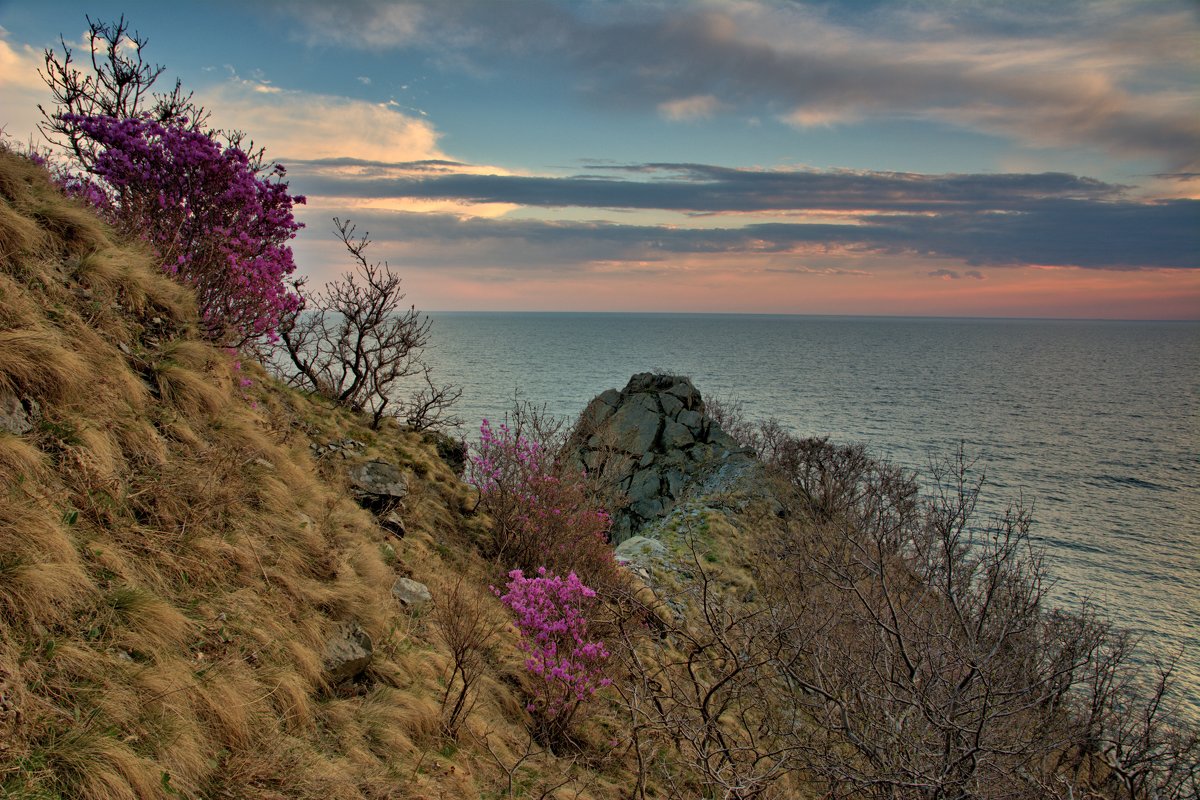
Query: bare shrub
460, 618
356, 344
1127, 742
712, 685
896, 646
938, 672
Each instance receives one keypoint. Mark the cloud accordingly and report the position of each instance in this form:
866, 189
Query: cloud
1106, 236
857, 273
688, 109
954, 275
980, 219
713, 189
331, 127
21, 89
816, 117
1115, 76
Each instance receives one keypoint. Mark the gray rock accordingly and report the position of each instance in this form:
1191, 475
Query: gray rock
394, 524
347, 652
635, 424
687, 393
411, 594
694, 420
648, 509
671, 405
610, 397
646, 484
676, 483
639, 550
676, 436
654, 442
722, 439
378, 484
13, 416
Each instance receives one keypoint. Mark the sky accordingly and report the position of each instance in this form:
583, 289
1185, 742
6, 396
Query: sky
1000, 158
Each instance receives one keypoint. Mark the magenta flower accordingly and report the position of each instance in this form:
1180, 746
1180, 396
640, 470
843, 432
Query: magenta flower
217, 224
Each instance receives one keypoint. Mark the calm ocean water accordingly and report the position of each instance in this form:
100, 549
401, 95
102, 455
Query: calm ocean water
1097, 424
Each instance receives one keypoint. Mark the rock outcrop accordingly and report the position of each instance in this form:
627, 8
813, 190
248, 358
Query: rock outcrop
653, 442
15, 414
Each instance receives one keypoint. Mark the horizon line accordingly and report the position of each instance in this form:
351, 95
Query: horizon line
948, 317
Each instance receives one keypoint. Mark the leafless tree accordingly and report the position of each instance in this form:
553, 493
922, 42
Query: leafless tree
901, 647
1128, 744
356, 343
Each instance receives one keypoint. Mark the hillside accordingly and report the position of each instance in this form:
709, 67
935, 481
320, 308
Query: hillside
214, 586
176, 556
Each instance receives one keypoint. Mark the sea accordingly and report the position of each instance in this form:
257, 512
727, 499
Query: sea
1095, 425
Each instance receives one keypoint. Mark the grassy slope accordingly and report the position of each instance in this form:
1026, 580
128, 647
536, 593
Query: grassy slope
172, 560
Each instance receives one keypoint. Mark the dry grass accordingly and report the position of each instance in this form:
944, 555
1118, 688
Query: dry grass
172, 559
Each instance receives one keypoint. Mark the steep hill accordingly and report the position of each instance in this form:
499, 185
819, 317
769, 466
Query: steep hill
180, 552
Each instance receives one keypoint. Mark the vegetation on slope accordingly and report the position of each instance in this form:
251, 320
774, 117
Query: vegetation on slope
175, 556
173, 559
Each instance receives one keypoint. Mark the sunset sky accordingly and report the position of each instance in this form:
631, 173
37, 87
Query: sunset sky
955, 158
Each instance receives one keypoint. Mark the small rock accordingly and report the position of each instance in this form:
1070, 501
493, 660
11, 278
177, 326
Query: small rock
639, 548
411, 594
378, 485
379, 477
392, 523
13, 416
347, 652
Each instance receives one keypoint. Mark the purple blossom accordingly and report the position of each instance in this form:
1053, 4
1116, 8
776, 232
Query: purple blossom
542, 513
552, 618
218, 226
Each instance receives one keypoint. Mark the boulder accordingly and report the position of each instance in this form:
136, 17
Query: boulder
393, 523
411, 594
653, 440
347, 652
378, 485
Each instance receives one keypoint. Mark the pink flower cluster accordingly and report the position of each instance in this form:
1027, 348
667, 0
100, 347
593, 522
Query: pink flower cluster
501, 460
218, 225
542, 514
551, 615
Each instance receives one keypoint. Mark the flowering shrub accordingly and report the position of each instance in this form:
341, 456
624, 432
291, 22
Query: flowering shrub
541, 512
218, 225
568, 667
